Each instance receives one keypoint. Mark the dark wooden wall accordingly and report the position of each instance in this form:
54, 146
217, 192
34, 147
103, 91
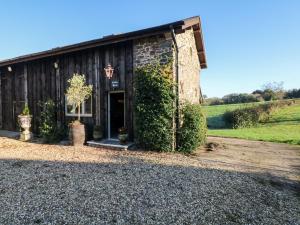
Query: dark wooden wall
12, 96
45, 82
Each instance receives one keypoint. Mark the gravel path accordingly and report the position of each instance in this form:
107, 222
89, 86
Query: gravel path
51, 184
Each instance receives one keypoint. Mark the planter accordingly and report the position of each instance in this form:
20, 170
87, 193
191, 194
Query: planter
77, 134
123, 138
97, 133
25, 124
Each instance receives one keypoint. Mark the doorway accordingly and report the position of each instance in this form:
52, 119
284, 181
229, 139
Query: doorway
116, 113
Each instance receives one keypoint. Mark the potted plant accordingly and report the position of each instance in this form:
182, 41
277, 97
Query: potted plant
97, 133
24, 120
123, 135
77, 93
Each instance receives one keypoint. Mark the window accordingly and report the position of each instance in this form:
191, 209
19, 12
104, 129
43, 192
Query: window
85, 109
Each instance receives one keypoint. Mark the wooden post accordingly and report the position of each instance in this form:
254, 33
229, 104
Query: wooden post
25, 84
0, 104
58, 92
96, 87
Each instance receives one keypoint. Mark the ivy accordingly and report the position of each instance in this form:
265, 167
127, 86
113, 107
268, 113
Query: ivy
154, 106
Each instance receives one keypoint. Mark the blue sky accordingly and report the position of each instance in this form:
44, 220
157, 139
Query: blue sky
248, 43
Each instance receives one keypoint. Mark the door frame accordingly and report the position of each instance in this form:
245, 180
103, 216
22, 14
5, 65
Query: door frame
108, 112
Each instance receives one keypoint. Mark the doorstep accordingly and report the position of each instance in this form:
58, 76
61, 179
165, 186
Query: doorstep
9, 134
111, 144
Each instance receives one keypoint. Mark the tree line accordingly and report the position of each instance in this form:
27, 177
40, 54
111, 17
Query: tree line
268, 92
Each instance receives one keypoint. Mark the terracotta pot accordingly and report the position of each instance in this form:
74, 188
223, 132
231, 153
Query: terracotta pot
77, 134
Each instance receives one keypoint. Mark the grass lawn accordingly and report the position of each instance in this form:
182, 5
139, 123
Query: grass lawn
284, 125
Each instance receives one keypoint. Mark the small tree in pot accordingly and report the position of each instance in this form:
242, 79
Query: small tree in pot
76, 94
25, 123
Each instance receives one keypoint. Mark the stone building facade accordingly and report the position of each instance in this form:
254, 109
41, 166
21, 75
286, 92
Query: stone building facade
161, 48
41, 76
189, 68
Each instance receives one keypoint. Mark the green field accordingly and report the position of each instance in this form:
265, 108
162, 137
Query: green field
284, 125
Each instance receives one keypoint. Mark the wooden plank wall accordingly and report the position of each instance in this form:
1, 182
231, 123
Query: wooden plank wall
44, 82
12, 96
1, 125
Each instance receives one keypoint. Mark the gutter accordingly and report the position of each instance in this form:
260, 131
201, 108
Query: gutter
177, 86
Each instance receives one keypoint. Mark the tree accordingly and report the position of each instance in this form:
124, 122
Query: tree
269, 95
78, 91
273, 91
274, 86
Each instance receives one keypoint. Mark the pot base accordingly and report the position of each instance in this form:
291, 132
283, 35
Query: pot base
26, 136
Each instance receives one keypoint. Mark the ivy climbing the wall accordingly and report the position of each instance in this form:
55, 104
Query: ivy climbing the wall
154, 107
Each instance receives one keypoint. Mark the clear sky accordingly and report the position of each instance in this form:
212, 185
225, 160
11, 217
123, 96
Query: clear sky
248, 43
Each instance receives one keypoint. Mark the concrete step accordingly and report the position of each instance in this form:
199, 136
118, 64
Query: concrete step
110, 144
9, 134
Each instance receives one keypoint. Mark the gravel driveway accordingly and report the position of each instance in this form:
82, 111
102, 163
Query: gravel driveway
51, 184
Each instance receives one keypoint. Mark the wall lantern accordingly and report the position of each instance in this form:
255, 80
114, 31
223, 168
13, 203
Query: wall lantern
9, 69
55, 65
109, 71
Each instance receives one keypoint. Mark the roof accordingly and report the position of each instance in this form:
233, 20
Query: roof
193, 22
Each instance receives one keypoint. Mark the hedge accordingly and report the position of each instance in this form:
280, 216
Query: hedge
192, 132
251, 116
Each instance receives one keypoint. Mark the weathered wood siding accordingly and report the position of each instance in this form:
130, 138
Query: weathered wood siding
45, 82
12, 96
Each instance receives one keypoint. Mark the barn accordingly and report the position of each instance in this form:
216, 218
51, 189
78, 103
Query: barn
37, 77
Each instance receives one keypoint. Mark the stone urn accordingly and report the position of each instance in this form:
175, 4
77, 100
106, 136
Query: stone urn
25, 123
77, 134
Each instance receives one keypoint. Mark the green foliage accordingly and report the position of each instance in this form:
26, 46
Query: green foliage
294, 93
240, 118
239, 98
251, 116
48, 128
78, 91
269, 95
283, 126
26, 111
154, 107
192, 132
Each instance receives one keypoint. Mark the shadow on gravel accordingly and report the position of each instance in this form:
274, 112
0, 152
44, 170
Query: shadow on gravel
135, 191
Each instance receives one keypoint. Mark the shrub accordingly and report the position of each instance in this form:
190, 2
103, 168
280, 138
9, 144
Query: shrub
192, 132
154, 107
241, 118
251, 116
269, 95
213, 101
26, 111
48, 128
239, 98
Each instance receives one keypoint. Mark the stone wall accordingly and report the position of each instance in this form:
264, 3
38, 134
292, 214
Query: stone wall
148, 50
189, 67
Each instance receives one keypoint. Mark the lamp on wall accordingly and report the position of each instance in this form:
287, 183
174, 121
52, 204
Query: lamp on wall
9, 69
56, 65
109, 71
